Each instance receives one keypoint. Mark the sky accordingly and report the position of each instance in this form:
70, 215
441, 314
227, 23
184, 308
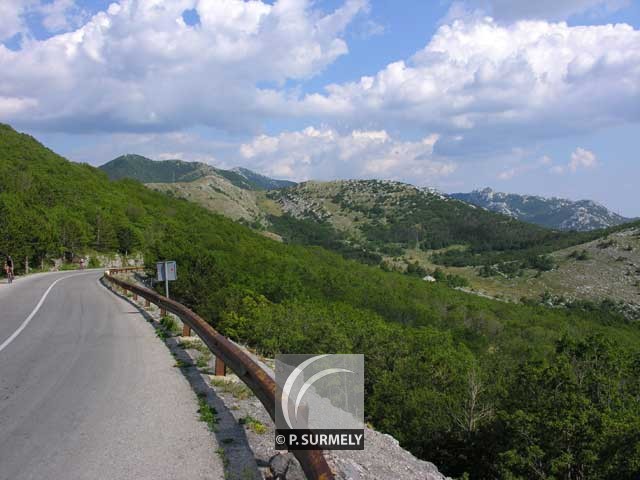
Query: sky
526, 97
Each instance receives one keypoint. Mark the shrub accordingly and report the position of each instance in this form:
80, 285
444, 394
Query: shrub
94, 262
581, 256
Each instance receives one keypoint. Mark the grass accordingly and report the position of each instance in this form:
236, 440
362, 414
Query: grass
170, 325
161, 333
203, 360
194, 344
180, 363
223, 456
207, 413
253, 424
238, 390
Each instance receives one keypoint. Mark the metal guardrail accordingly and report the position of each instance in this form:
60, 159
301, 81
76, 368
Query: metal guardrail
125, 269
313, 462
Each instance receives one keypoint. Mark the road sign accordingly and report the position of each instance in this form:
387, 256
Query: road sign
169, 268
166, 272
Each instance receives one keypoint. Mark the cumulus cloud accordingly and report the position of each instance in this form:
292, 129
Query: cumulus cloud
11, 15
60, 15
324, 153
524, 167
55, 16
139, 66
484, 85
509, 10
581, 159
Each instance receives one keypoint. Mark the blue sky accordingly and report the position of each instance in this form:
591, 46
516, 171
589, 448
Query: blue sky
527, 97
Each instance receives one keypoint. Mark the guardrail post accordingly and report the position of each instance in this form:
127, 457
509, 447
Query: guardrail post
186, 330
147, 303
221, 368
135, 297
163, 312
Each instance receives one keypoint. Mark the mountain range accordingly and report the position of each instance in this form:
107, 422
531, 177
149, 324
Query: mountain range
375, 221
240, 194
556, 213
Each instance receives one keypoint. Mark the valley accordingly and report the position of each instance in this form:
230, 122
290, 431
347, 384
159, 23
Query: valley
401, 228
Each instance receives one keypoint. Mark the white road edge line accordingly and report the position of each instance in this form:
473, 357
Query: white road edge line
13, 336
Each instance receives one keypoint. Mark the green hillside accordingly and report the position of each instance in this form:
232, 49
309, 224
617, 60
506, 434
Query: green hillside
474, 385
145, 170
391, 217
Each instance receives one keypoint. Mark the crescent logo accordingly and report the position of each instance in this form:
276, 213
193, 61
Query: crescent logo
293, 376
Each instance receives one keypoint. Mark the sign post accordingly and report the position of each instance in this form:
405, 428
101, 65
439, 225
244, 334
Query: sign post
166, 281
166, 272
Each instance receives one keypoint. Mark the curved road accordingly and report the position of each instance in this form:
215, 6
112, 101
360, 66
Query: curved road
87, 391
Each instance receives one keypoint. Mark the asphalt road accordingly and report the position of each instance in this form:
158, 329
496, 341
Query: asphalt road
87, 391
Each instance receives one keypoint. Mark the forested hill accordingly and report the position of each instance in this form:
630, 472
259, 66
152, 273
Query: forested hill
556, 213
145, 170
362, 219
481, 387
390, 217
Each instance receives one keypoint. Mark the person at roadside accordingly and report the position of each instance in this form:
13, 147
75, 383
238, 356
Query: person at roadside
8, 268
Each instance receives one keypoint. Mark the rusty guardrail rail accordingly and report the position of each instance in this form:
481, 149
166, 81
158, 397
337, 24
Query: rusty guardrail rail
251, 373
125, 269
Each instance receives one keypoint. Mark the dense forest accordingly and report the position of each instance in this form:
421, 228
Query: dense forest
482, 388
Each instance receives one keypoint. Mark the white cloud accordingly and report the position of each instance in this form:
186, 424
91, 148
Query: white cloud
61, 15
582, 158
138, 66
55, 16
524, 167
509, 10
12, 105
326, 154
508, 174
370, 28
11, 17
485, 86
482, 85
